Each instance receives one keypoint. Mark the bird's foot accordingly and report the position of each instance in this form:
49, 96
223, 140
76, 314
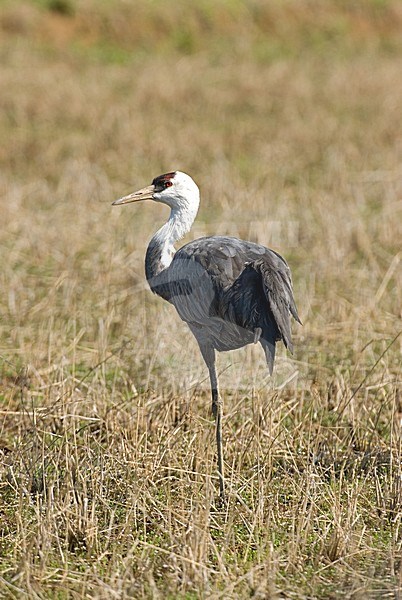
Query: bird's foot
221, 502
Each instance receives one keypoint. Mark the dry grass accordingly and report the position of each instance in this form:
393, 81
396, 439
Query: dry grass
108, 475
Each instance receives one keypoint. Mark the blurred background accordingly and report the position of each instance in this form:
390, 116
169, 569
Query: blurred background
287, 114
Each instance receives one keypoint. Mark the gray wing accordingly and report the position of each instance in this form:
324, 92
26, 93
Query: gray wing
232, 291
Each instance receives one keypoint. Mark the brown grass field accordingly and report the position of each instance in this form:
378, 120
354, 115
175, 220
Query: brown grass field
288, 116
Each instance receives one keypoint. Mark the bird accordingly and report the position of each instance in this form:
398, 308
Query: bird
230, 292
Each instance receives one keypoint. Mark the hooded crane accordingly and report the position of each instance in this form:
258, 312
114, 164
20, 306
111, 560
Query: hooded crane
229, 292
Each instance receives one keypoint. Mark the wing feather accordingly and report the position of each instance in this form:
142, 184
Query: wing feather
228, 287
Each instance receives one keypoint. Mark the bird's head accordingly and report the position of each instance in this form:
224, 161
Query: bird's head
176, 189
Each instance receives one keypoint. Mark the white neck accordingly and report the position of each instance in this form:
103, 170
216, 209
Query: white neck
161, 248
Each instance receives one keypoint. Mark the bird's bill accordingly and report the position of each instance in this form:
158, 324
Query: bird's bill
147, 193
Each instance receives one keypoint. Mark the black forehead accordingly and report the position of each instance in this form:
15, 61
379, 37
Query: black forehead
162, 179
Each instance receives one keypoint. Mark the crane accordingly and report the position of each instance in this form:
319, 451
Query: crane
230, 292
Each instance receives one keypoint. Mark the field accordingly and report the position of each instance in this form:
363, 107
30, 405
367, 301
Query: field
288, 116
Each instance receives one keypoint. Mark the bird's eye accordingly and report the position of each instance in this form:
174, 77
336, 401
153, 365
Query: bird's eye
168, 184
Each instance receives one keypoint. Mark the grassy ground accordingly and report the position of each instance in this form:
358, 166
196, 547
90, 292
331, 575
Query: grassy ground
287, 114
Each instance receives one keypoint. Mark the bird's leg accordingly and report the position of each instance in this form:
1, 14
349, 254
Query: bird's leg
217, 409
208, 354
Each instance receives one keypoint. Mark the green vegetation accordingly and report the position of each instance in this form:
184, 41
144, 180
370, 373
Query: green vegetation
287, 115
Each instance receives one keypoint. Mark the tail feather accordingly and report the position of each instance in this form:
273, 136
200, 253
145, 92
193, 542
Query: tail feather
278, 292
269, 349
261, 301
